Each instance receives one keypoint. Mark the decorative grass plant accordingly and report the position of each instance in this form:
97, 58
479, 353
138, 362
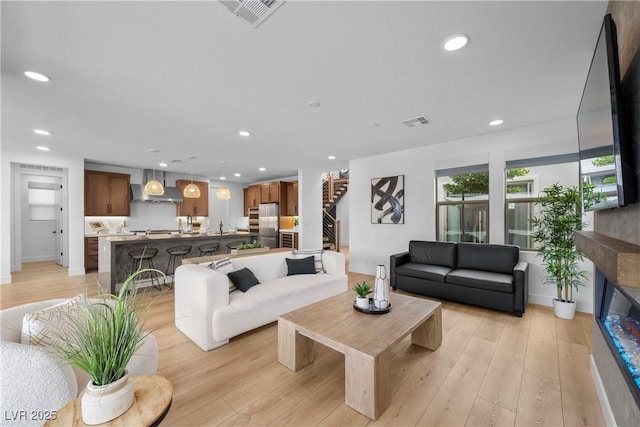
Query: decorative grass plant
105, 336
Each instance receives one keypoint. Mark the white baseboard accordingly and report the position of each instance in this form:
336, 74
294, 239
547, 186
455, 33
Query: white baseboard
5, 280
547, 300
602, 395
39, 258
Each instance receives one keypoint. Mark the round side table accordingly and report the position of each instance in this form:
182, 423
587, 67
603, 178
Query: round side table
151, 402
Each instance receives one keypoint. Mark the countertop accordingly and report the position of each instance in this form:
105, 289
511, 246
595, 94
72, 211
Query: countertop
288, 230
113, 233
129, 238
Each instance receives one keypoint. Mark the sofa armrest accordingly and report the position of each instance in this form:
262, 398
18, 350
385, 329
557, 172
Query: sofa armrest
396, 260
199, 291
521, 283
33, 381
333, 262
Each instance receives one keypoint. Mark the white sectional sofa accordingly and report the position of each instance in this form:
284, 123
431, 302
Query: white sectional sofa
209, 314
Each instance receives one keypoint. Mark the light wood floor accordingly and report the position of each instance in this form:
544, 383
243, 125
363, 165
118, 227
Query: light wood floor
492, 369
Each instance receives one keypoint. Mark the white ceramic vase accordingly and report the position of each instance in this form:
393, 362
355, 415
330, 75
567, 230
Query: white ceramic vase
564, 310
362, 302
381, 289
101, 404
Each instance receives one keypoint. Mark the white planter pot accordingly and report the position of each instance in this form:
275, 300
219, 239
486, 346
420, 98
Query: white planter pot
362, 302
101, 404
564, 310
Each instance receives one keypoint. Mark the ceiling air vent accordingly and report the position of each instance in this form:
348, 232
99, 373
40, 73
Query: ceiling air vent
253, 11
416, 122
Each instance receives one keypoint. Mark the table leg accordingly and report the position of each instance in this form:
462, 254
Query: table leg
429, 334
368, 382
295, 351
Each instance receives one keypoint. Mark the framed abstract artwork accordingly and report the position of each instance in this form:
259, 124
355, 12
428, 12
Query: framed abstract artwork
387, 200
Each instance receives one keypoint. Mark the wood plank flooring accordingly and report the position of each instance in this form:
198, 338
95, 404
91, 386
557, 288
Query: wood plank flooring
493, 369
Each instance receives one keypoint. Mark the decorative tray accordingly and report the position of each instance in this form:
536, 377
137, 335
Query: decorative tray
372, 309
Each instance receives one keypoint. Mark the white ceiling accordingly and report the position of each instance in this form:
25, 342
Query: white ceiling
184, 77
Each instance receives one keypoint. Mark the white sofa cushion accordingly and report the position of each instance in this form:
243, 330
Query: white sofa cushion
46, 327
263, 303
223, 265
317, 255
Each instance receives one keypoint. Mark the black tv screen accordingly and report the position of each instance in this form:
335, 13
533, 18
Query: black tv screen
605, 158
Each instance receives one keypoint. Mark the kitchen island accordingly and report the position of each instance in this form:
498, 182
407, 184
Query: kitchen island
114, 262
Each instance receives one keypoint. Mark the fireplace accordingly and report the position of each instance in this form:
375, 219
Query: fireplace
615, 358
617, 314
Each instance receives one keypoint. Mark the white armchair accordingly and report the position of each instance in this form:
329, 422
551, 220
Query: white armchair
34, 383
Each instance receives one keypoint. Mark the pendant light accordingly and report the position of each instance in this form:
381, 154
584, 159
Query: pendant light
223, 193
153, 187
191, 191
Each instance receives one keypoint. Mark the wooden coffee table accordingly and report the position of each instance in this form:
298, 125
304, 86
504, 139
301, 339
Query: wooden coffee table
364, 339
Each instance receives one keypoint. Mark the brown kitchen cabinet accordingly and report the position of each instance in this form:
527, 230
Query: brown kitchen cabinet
292, 198
106, 194
193, 207
270, 192
252, 198
90, 254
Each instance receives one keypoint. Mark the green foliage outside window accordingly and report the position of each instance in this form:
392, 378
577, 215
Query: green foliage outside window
603, 161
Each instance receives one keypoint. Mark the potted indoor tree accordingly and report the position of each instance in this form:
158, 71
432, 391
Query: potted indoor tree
553, 236
101, 341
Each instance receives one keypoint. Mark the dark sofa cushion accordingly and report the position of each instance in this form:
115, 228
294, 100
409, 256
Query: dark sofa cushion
483, 257
433, 253
435, 273
482, 280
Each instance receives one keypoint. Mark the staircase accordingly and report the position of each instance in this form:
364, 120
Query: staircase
334, 187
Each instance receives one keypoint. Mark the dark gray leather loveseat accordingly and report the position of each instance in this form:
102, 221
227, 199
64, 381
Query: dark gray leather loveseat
490, 276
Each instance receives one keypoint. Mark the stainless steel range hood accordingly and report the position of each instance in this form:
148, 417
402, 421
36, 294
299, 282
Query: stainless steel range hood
171, 194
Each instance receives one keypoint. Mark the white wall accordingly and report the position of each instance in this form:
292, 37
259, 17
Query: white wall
74, 191
342, 215
310, 208
227, 211
372, 244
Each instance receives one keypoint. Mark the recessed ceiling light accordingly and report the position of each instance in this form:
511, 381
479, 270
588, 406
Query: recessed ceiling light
331, 157
244, 133
222, 178
496, 122
162, 165
314, 104
43, 148
262, 169
236, 174
42, 132
36, 76
456, 42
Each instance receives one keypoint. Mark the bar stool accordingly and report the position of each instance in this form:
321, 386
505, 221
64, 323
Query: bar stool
138, 256
208, 249
234, 245
175, 252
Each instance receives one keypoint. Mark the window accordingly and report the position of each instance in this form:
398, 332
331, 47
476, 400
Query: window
462, 207
524, 180
41, 198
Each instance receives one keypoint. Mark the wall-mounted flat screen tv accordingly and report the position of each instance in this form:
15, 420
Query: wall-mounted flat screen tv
605, 152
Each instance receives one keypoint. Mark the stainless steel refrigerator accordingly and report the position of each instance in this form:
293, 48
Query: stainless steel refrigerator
269, 224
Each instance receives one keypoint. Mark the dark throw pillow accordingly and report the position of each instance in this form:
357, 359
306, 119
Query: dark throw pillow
301, 266
243, 279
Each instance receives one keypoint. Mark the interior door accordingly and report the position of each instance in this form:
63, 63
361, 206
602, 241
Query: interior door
42, 223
